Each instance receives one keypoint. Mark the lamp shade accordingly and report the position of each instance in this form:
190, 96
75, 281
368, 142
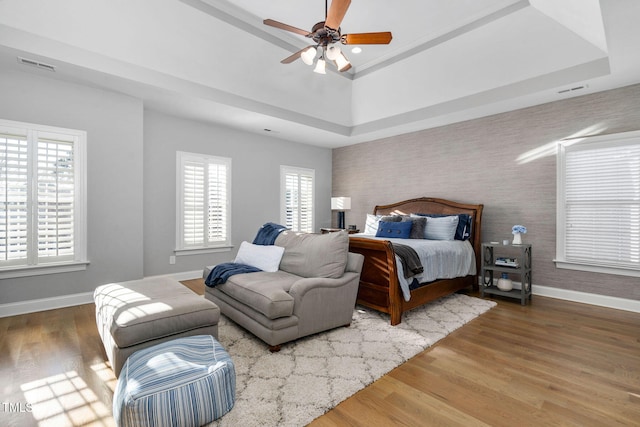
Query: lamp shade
340, 203
333, 52
308, 55
342, 62
320, 66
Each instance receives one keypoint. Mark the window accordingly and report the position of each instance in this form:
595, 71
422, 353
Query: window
204, 205
599, 204
42, 191
296, 198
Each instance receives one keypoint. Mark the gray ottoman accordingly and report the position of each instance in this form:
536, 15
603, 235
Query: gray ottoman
184, 382
138, 314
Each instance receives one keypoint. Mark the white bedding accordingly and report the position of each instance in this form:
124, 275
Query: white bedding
441, 259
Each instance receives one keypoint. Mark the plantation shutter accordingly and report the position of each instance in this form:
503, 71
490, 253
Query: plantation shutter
41, 192
55, 195
193, 202
217, 206
306, 203
298, 199
602, 203
14, 194
204, 201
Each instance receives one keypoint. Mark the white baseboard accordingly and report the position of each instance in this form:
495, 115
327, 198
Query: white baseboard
43, 304
32, 306
185, 275
586, 298
582, 297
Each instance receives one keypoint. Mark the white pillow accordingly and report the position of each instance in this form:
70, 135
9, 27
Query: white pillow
371, 224
441, 228
264, 257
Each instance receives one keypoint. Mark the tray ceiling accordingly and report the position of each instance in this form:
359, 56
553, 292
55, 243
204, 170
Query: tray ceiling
215, 61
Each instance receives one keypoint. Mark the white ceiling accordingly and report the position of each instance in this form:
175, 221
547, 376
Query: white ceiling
449, 60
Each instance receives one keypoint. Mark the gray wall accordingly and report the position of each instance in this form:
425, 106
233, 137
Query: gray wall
480, 161
131, 202
255, 199
114, 155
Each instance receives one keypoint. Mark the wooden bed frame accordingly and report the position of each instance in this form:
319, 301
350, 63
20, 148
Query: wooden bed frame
379, 288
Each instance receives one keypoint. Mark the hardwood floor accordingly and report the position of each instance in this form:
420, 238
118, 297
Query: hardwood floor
551, 363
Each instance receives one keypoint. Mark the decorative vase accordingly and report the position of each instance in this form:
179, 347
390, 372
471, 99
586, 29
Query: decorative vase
504, 283
517, 239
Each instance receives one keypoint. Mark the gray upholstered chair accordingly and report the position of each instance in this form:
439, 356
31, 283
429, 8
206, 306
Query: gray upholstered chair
314, 290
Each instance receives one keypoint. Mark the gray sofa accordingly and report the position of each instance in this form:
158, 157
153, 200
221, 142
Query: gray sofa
314, 289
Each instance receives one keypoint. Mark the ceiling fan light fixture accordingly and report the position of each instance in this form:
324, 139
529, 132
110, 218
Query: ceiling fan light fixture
327, 33
309, 55
320, 66
333, 52
342, 62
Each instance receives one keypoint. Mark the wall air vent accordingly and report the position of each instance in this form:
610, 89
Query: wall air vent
572, 89
35, 63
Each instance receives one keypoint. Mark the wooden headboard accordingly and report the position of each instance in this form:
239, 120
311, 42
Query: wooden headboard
441, 206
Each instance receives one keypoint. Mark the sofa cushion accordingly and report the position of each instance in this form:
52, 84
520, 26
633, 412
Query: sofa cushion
263, 291
314, 255
148, 309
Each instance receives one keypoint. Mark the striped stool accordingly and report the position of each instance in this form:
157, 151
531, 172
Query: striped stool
188, 381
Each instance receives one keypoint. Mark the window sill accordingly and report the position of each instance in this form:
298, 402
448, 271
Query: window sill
597, 268
199, 251
40, 270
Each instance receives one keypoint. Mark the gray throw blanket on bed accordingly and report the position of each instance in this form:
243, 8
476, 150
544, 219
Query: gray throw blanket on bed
411, 264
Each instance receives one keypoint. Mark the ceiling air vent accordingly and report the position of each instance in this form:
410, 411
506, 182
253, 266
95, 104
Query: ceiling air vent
572, 89
35, 63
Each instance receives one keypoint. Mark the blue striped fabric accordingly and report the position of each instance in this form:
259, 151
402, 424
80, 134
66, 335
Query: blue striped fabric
188, 381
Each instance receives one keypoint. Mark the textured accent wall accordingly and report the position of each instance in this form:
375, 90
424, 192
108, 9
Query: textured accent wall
506, 161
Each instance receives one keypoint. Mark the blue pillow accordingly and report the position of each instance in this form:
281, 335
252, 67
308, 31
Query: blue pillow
398, 230
465, 221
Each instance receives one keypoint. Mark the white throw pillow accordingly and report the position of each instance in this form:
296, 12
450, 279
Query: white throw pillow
264, 257
371, 224
441, 228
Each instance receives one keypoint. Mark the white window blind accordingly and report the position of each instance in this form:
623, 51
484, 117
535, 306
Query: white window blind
599, 204
297, 198
204, 191
42, 184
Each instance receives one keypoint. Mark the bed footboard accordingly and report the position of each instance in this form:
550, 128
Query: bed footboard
379, 288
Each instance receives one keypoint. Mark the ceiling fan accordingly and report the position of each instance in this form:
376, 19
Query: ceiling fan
326, 34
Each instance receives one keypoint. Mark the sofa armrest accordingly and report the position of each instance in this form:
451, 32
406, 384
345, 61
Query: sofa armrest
324, 303
300, 288
354, 262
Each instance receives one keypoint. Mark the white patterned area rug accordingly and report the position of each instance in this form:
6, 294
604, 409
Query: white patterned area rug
312, 375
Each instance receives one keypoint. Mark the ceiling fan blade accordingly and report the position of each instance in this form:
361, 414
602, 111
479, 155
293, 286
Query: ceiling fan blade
367, 38
290, 59
336, 13
286, 27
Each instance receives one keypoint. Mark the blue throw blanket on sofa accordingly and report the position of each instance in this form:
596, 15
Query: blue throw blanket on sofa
268, 233
222, 272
